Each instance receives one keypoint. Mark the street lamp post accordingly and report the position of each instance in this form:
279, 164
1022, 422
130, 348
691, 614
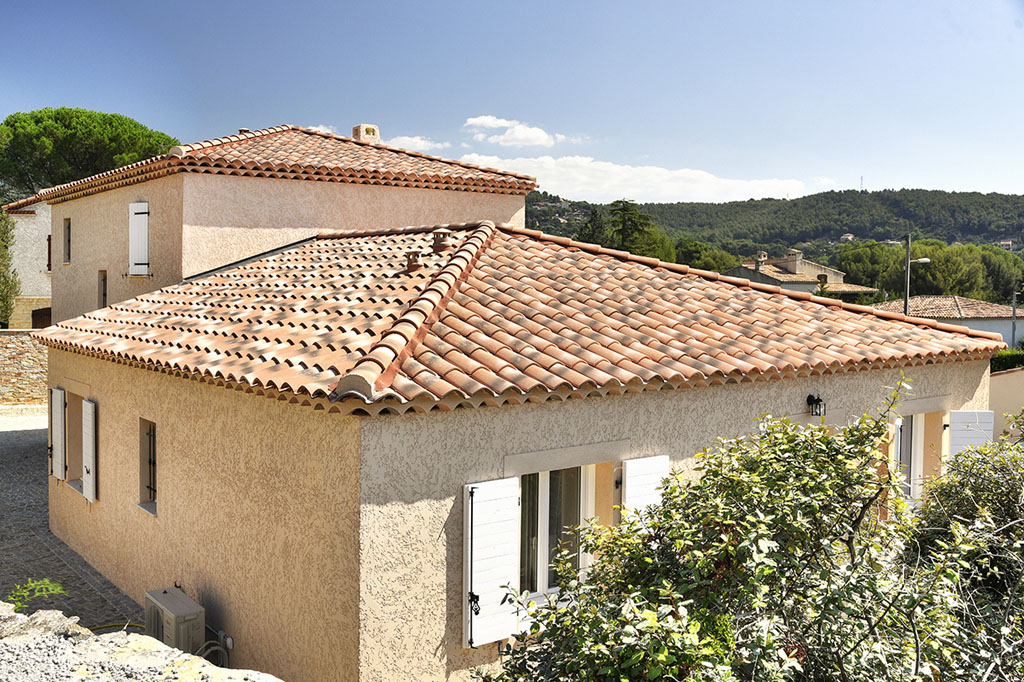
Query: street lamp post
906, 290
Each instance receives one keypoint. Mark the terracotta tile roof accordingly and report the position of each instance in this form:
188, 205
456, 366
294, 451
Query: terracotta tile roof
502, 315
296, 153
847, 288
778, 273
949, 307
18, 207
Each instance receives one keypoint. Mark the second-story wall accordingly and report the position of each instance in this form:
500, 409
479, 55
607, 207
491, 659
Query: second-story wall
99, 242
229, 218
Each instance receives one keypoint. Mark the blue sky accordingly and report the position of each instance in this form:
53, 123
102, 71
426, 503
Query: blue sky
673, 101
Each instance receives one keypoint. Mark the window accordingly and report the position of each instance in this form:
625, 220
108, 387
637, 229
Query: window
515, 526
550, 507
101, 289
147, 465
138, 239
49, 252
67, 240
910, 453
74, 441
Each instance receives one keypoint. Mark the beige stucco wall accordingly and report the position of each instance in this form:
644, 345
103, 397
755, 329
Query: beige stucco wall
1007, 396
227, 218
99, 241
414, 466
256, 512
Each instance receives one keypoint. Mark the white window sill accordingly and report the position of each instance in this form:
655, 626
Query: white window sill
76, 485
148, 507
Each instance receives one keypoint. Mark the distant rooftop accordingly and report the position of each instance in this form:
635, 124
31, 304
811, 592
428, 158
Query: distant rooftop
294, 153
949, 308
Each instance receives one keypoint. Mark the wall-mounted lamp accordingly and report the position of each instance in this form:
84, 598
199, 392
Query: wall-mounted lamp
817, 405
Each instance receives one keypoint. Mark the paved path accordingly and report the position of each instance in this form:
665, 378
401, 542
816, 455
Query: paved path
27, 547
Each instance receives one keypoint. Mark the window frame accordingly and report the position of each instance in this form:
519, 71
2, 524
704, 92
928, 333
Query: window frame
587, 503
67, 241
148, 462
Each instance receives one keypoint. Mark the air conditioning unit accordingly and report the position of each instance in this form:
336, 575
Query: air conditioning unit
175, 619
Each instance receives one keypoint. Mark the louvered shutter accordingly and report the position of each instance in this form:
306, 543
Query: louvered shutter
57, 448
491, 561
968, 428
138, 238
89, 449
641, 480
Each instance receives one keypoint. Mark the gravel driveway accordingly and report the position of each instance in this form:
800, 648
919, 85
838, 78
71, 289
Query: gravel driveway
27, 547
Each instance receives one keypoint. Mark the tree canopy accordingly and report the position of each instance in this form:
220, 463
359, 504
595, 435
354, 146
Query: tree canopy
47, 147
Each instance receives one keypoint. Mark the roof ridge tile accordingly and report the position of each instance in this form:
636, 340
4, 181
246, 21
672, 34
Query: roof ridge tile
369, 377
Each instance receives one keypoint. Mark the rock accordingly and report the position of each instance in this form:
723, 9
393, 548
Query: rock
48, 645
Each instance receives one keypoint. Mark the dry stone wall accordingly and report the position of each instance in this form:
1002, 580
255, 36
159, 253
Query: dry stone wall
22, 368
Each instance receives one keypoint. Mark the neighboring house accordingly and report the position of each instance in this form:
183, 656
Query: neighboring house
345, 448
969, 312
796, 274
30, 257
134, 229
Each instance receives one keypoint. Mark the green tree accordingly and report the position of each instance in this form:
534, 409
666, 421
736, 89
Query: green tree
10, 285
47, 147
866, 262
595, 230
704, 256
792, 556
629, 224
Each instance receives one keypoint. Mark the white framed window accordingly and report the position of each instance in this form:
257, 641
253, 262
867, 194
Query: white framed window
909, 445
515, 526
552, 503
74, 435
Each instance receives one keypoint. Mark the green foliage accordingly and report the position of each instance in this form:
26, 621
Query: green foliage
704, 256
984, 487
21, 595
792, 557
10, 285
629, 225
47, 147
1008, 359
595, 230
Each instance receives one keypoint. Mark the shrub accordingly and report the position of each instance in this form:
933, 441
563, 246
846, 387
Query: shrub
1007, 359
786, 560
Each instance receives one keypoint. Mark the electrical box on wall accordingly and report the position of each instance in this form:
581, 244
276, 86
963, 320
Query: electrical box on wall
175, 619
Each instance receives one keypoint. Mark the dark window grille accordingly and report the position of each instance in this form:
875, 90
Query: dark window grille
151, 461
49, 252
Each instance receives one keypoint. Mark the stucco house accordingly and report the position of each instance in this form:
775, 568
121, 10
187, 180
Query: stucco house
30, 258
135, 229
793, 272
969, 312
345, 447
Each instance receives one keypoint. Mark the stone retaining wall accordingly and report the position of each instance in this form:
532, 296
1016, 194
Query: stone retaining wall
22, 368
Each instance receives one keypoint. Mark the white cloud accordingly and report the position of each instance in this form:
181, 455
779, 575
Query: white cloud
515, 133
417, 143
325, 129
583, 177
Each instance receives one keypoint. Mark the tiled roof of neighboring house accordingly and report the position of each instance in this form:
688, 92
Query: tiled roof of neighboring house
949, 307
787, 277
502, 315
295, 153
19, 207
847, 288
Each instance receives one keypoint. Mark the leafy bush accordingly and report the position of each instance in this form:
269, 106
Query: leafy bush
1008, 359
786, 560
984, 487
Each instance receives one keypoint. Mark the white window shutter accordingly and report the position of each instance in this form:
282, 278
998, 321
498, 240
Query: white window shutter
89, 449
491, 561
968, 428
641, 480
57, 459
138, 238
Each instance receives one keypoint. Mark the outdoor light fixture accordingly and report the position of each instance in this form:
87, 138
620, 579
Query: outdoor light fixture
817, 405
